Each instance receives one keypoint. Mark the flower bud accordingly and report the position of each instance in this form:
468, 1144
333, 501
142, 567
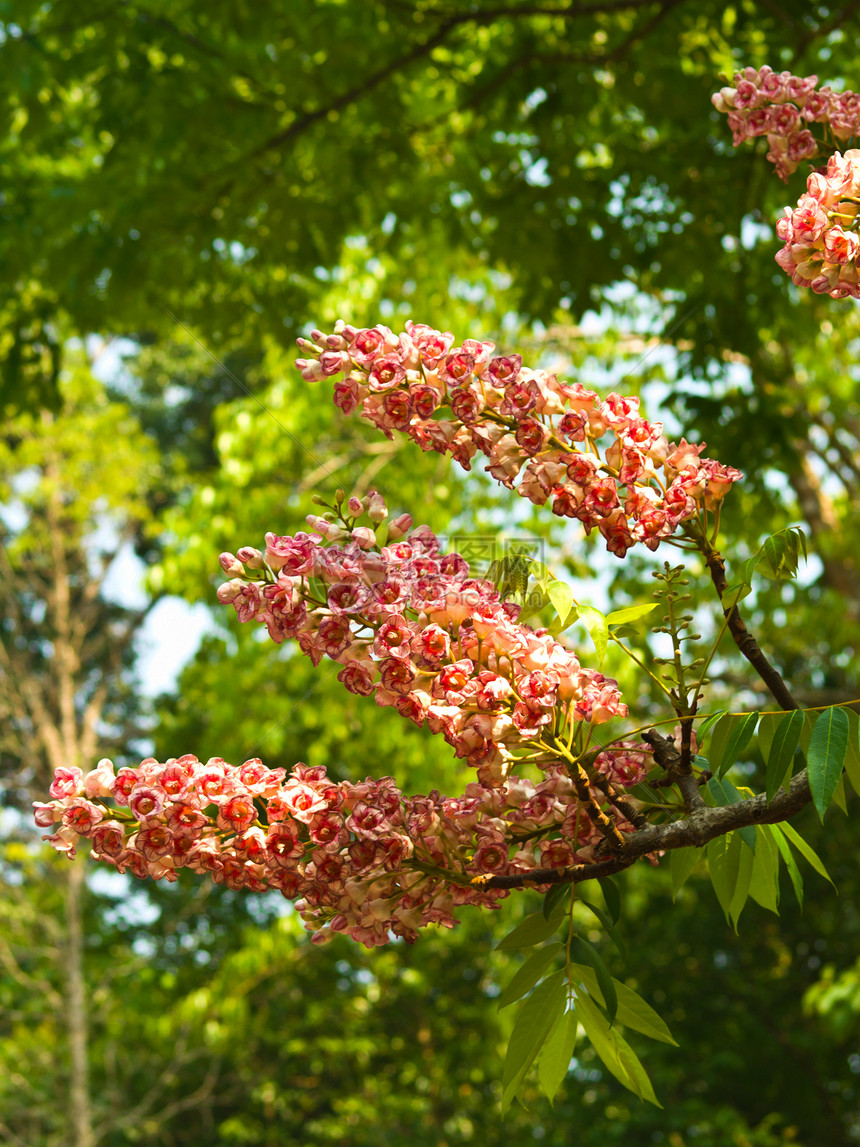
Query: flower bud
331, 531
365, 537
355, 507
307, 345
400, 526
231, 565
229, 591
250, 557
377, 510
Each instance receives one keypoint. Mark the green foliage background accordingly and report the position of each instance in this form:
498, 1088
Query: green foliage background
189, 186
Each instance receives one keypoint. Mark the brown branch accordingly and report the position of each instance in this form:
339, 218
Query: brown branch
678, 772
621, 801
605, 825
690, 832
743, 639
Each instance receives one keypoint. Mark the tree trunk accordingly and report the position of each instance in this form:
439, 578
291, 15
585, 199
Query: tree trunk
79, 1088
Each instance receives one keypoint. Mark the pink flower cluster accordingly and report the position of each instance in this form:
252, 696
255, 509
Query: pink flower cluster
361, 859
782, 106
534, 428
821, 238
411, 627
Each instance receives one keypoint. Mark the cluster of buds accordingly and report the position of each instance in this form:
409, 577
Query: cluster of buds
542, 436
357, 858
821, 238
411, 627
782, 107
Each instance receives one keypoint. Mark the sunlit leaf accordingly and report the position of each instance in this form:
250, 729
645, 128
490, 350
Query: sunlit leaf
629, 614
561, 596
536, 1019
595, 622
790, 863
585, 953
528, 975
633, 1011
806, 850
533, 930
557, 1053
614, 1050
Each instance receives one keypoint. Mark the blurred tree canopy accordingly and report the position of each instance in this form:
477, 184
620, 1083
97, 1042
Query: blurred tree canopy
195, 184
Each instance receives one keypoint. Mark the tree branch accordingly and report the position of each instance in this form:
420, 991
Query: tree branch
743, 639
690, 832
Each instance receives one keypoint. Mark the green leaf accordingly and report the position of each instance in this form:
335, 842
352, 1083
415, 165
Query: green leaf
790, 863
630, 614
381, 534
767, 726
533, 1024
682, 862
585, 953
731, 736
838, 797
852, 756
734, 593
827, 748
595, 622
633, 1011
741, 892
779, 556
605, 920
764, 882
806, 850
539, 572
724, 865
786, 738
561, 596
614, 1050
557, 1053
708, 724
528, 975
533, 930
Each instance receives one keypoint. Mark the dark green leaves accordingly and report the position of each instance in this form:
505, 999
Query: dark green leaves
559, 894
778, 559
826, 755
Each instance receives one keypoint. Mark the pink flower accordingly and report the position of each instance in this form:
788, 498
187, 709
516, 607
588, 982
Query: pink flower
67, 782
